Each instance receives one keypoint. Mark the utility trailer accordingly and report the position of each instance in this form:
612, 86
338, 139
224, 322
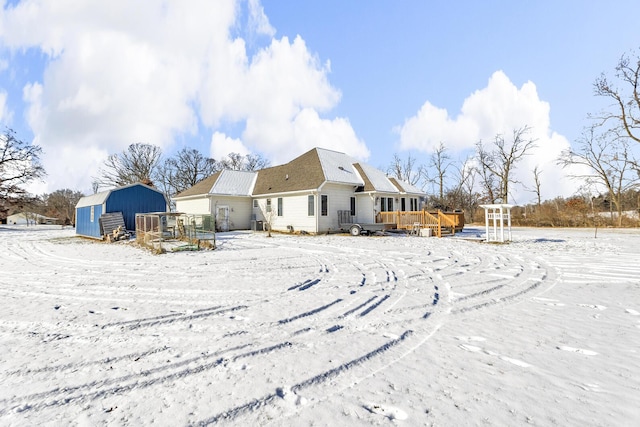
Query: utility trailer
347, 222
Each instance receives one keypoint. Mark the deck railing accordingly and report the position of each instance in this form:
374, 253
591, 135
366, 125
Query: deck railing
410, 220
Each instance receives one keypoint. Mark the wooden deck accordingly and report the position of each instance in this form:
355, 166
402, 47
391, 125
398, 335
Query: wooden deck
441, 223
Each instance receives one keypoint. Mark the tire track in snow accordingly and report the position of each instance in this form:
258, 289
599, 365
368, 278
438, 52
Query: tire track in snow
116, 386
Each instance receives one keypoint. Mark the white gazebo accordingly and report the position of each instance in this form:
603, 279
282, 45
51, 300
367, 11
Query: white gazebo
495, 216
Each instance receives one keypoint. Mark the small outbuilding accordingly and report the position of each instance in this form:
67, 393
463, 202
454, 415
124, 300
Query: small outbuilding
130, 200
30, 218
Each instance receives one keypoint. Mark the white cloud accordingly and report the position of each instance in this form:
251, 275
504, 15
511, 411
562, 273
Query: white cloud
121, 72
258, 21
221, 145
5, 113
499, 108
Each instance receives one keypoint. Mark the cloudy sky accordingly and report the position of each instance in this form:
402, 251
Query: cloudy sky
86, 79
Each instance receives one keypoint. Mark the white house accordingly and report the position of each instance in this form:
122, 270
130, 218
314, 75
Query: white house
30, 218
302, 195
225, 194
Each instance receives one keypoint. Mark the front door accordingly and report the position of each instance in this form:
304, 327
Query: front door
222, 218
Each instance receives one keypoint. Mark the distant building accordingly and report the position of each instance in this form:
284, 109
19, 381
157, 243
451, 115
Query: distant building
130, 200
30, 218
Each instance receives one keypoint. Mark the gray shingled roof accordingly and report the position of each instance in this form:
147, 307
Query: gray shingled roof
306, 172
202, 187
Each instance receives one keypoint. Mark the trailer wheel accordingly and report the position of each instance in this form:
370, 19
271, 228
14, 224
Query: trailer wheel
355, 230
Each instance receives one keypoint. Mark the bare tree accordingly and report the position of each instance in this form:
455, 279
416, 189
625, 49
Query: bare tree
184, 170
254, 162
138, 163
268, 214
19, 165
250, 162
626, 116
488, 179
501, 160
606, 159
440, 161
407, 170
62, 204
537, 191
463, 194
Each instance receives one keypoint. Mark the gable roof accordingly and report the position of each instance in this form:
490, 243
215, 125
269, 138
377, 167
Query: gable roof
101, 197
93, 199
225, 183
375, 179
307, 172
338, 167
405, 187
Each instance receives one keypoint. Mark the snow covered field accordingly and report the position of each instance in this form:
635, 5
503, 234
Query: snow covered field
322, 330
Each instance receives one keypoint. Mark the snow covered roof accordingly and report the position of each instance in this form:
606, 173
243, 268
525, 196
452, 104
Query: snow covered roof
94, 199
308, 171
405, 187
234, 183
376, 179
338, 167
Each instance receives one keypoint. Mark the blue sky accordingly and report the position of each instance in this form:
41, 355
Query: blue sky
367, 78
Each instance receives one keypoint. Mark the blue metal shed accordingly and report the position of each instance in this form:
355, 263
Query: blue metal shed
130, 200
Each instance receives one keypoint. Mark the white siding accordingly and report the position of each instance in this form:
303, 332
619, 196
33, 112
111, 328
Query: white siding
194, 206
294, 213
239, 209
364, 209
339, 198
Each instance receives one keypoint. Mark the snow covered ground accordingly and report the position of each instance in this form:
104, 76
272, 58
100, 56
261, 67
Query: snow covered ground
322, 330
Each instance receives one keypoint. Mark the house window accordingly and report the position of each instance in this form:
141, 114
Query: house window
390, 204
324, 205
414, 204
353, 206
311, 205
403, 204
383, 204
92, 213
279, 206
268, 205
255, 203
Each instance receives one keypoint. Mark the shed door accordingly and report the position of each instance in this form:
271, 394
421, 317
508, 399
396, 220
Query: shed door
222, 218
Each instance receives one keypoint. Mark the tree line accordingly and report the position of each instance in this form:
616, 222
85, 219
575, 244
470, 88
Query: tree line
139, 162
606, 155
605, 152
172, 175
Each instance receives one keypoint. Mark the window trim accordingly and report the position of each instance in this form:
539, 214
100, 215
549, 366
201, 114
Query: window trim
311, 205
324, 205
280, 206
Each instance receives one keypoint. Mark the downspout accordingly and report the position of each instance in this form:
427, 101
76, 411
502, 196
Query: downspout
316, 206
373, 207
316, 202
